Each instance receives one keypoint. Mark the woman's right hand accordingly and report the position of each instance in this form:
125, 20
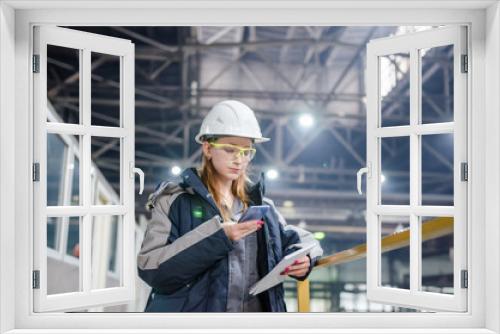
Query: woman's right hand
236, 231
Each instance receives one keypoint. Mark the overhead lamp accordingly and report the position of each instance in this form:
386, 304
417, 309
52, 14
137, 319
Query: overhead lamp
176, 170
306, 120
272, 174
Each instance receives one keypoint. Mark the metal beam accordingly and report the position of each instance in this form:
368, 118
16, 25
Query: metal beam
347, 146
351, 63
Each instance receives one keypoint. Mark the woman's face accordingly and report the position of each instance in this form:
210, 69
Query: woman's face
228, 164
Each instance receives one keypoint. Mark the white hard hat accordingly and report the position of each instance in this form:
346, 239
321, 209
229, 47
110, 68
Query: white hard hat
230, 118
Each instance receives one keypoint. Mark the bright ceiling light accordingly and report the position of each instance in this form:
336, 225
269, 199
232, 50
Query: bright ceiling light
382, 178
306, 120
272, 174
176, 170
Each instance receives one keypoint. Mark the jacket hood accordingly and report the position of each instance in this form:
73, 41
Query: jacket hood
164, 188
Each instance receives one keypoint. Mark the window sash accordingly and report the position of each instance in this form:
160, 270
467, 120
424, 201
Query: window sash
411, 44
44, 124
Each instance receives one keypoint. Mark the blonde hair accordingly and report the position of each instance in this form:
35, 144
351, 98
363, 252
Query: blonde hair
238, 187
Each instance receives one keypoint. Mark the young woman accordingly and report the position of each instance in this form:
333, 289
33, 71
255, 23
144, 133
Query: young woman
194, 255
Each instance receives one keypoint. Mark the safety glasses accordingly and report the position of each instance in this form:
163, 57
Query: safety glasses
246, 153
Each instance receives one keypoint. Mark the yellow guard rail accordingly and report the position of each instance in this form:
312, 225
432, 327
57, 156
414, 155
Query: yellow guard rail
432, 229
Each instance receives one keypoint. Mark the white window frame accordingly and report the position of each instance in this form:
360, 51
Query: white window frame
411, 44
85, 43
16, 20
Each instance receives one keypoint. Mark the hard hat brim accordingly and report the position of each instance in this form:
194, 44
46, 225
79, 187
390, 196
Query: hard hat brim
199, 137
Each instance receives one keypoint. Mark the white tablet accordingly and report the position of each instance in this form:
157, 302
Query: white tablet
274, 277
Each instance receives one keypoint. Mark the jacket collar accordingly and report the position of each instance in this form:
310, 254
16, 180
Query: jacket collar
191, 179
257, 190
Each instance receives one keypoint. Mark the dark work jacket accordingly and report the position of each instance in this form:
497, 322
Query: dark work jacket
184, 255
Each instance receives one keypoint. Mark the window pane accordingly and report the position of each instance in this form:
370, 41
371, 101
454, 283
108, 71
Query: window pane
63, 170
395, 257
106, 251
395, 170
437, 169
53, 233
103, 196
73, 243
63, 83
105, 89
56, 156
437, 254
63, 268
72, 189
106, 157
437, 84
394, 90
75, 183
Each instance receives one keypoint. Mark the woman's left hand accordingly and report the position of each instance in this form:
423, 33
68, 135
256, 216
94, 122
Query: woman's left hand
299, 268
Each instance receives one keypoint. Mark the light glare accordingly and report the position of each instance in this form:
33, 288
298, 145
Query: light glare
176, 170
306, 120
272, 174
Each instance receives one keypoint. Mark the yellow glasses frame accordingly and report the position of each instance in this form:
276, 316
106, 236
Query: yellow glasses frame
243, 152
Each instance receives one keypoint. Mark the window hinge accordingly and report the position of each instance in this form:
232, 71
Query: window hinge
465, 64
36, 172
464, 171
465, 279
36, 279
36, 63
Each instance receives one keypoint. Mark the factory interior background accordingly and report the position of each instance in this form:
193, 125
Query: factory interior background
307, 87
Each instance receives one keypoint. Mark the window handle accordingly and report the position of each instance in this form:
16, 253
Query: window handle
134, 170
361, 171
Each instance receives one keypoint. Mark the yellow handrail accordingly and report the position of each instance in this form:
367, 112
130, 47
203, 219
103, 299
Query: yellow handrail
431, 229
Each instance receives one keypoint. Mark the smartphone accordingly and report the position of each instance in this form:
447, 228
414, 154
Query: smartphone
254, 213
